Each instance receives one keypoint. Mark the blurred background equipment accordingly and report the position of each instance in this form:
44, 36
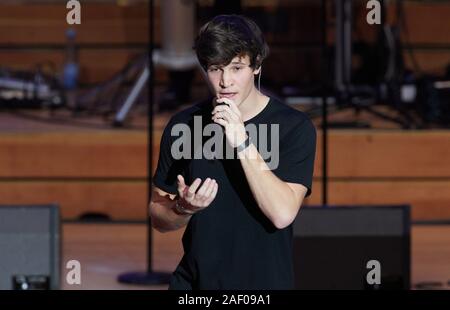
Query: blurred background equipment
30, 247
373, 69
433, 100
29, 90
71, 69
176, 53
110, 96
139, 85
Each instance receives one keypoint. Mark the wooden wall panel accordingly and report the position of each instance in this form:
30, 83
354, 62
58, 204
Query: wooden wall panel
352, 154
430, 200
126, 199
386, 154
100, 24
121, 200
74, 155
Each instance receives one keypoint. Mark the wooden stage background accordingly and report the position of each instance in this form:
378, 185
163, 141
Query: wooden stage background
88, 170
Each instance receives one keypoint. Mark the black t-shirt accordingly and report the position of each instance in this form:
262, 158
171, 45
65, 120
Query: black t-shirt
231, 244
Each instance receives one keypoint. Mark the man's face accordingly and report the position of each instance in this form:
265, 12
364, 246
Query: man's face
234, 81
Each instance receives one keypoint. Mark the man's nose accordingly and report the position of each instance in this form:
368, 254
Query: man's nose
225, 80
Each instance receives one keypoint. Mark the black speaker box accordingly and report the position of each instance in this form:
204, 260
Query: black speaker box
332, 246
30, 247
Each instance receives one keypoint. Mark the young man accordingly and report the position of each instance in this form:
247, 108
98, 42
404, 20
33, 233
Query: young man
238, 210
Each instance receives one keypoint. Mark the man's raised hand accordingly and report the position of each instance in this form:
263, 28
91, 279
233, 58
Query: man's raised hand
193, 199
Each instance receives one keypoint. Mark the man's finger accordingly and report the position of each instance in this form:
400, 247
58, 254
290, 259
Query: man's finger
222, 115
220, 122
220, 109
181, 181
210, 188
201, 191
234, 108
181, 185
213, 193
224, 101
230, 103
193, 187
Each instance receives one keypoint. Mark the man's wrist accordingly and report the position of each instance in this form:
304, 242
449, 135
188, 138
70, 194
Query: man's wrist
245, 144
179, 209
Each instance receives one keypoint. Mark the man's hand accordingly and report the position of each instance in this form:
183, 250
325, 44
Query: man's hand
229, 116
194, 200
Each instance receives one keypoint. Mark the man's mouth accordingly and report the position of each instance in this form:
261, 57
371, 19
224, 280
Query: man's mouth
227, 95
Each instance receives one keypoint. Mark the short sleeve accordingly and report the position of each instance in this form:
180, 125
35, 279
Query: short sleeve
165, 176
297, 153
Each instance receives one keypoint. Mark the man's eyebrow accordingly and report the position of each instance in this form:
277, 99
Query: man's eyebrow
232, 63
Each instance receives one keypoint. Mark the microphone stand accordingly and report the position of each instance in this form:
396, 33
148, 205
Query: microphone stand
148, 277
324, 107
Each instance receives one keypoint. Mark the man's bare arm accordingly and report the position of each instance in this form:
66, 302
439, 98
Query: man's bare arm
162, 212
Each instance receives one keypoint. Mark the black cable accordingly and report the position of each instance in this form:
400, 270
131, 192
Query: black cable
325, 84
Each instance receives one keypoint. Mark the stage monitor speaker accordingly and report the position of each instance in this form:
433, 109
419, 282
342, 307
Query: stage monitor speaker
30, 247
332, 246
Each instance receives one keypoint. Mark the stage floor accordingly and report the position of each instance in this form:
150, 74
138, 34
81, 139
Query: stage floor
108, 250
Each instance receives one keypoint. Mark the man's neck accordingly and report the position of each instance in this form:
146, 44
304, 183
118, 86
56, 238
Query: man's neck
253, 105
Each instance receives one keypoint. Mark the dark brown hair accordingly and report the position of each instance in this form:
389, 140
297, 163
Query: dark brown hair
228, 36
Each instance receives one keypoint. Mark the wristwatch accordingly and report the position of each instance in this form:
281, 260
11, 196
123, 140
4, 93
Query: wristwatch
243, 145
180, 210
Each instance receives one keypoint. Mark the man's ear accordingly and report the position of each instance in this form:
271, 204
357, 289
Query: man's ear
257, 71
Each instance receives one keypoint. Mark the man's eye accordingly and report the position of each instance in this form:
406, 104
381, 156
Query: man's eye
237, 68
213, 69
